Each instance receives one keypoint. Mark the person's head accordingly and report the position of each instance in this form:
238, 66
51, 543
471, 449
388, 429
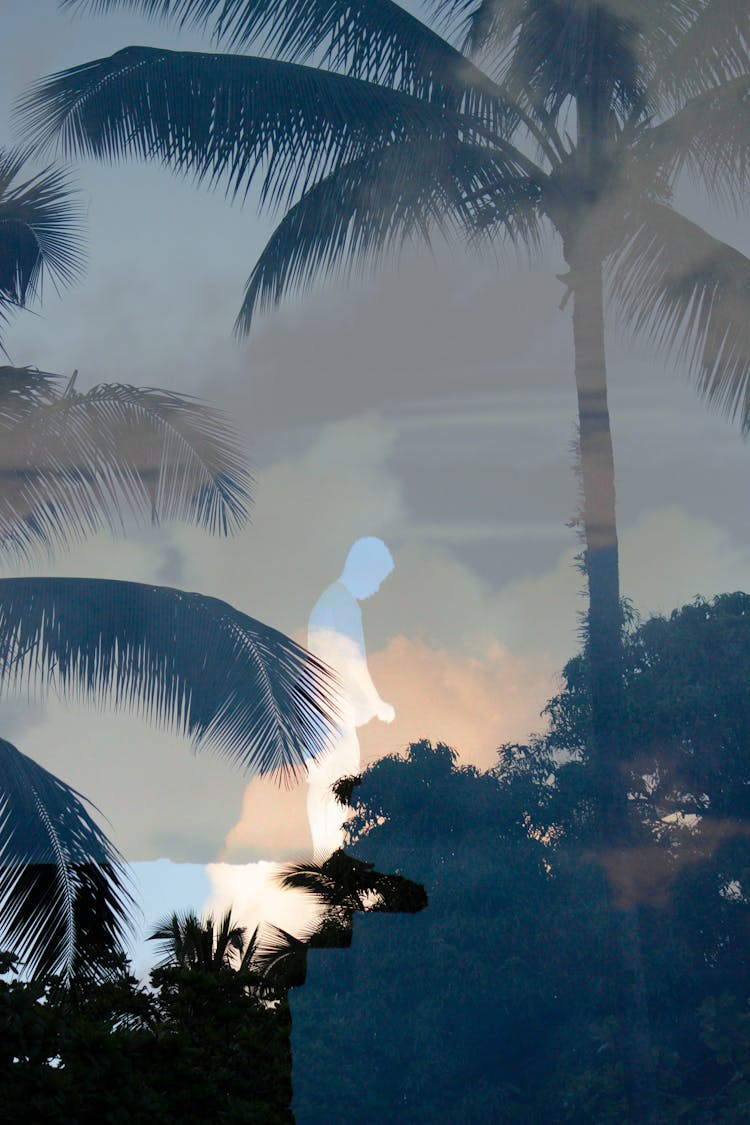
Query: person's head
369, 561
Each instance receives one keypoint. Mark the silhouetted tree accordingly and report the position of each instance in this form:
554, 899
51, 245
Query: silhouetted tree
499, 1002
207, 944
199, 1044
448, 1015
686, 692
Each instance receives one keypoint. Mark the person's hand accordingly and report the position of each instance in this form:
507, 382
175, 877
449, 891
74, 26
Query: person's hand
385, 712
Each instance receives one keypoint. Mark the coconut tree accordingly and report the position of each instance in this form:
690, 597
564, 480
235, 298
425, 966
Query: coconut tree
201, 943
524, 118
275, 959
73, 463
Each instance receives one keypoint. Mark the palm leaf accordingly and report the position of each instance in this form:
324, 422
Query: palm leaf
63, 895
709, 137
376, 205
690, 294
341, 881
344, 885
23, 390
183, 660
378, 41
198, 943
73, 463
712, 49
40, 231
228, 940
229, 116
549, 52
281, 958
176, 934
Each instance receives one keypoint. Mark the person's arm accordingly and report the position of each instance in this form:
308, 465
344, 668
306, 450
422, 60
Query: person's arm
335, 634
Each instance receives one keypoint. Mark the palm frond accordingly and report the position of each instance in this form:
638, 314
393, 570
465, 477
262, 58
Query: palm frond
345, 883
378, 41
176, 934
483, 28
375, 205
198, 943
709, 137
228, 940
714, 48
40, 231
548, 52
281, 958
189, 662
73, 463
23, 390
64, 900
226, 116
341, 881
690, 294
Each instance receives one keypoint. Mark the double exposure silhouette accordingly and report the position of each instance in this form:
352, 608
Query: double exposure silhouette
335, 635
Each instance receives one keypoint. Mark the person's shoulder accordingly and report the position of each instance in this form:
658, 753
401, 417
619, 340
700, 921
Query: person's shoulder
334, 599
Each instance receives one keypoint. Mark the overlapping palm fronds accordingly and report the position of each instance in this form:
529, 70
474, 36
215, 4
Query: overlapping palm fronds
398, 131
63, 887
690, 294
206, 944
72, 463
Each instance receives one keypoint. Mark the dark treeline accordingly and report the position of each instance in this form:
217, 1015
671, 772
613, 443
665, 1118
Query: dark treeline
499, 1002
198, 1045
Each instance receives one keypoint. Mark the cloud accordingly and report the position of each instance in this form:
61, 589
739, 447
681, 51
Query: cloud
310, 508
667, 557
459, 660
156, 797
255, 896
474, 703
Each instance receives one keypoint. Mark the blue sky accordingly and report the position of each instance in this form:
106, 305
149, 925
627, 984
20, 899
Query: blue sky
431, 404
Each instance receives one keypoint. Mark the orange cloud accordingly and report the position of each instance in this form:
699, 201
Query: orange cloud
472, 703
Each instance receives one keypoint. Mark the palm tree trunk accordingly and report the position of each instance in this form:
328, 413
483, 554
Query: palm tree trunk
605, 659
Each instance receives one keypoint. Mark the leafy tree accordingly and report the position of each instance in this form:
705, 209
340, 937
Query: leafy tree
686, 682
196, 1045
499, 1001
72, 463
450, 1015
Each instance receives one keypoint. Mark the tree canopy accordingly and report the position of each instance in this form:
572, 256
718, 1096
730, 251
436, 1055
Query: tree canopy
498, 1002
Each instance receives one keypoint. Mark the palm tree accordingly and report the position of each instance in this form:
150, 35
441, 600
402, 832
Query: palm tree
274, 962
39, 232
72, 463
205, 944
343, 886
529, 117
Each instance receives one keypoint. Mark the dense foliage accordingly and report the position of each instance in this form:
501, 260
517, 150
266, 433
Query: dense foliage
498, 1002
198, 1045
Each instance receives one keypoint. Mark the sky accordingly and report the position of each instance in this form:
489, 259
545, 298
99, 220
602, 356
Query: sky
430, 403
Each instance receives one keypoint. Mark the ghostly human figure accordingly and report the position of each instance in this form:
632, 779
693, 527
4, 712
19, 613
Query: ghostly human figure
334, 633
